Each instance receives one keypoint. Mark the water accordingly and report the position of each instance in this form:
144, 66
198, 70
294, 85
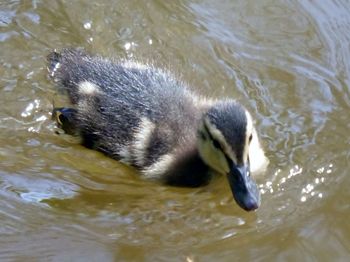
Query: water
288, 62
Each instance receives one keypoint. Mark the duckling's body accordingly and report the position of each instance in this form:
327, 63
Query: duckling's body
144, 117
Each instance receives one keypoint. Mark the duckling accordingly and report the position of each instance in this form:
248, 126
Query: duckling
144, 117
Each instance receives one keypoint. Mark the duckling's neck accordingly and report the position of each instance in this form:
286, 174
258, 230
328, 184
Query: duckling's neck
189, 171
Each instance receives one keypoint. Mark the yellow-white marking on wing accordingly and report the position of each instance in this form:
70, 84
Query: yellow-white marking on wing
142, 139
87, 88
125, 154
160, 167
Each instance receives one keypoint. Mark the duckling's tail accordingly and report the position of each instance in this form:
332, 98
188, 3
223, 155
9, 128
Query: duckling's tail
54, 63
68, 68
60, 64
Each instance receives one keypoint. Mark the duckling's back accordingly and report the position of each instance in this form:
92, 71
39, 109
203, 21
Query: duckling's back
134, 113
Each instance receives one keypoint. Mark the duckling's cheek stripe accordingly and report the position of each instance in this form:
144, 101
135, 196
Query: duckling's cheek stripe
229, 161
202, 135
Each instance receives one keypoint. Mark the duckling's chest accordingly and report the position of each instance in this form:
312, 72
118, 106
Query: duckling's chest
188, 170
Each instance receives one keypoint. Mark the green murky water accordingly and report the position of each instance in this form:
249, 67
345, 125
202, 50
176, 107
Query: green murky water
287, 61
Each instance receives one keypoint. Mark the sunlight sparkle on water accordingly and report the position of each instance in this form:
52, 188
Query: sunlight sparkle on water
28, 110
41, 118
129, 45
311, 188
189, 259
87, 25
296, 170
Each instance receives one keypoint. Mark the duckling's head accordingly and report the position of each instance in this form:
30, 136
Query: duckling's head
224, 138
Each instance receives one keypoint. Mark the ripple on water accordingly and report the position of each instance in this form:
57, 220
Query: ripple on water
288, 63
36, 190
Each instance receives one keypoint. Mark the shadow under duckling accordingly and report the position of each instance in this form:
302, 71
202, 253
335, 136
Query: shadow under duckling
144, 117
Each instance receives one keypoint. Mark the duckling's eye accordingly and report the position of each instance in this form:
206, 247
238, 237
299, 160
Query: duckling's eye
250, 138
203, 136
217, 145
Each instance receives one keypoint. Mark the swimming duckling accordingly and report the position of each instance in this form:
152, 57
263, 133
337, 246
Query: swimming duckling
144, 117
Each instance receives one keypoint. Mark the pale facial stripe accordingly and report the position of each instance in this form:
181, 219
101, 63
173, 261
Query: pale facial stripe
258, 160
217, 135
248, 133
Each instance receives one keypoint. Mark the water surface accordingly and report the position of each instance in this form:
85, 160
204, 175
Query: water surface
288, 62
